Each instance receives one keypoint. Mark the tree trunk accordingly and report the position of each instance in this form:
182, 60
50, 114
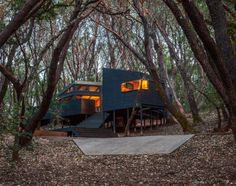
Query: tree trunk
208, 66
3, 89
215, 69
57, 61
215, 51
16, 149
190, 96
129, 122
183, 73
233, 125
29, 9
163, 73
224, 112
153, 72
52, 76
222, 37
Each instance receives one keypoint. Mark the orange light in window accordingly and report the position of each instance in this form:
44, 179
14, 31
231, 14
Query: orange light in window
125, 88
93, 89
85, 97
97, 103
145, 84
134, 85
95, 98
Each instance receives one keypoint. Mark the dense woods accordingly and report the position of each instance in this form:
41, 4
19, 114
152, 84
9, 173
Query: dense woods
186, 46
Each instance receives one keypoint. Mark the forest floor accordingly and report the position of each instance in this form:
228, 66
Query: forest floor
206, 159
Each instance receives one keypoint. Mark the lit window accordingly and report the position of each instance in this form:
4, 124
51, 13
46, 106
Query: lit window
94, 89
134, 85
82, 88
85, 97
95, 98
145, 84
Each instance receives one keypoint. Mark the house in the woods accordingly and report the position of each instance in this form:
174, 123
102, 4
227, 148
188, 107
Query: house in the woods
93, 108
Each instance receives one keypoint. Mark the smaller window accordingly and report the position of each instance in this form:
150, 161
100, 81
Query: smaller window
83, 88
85, 97
93, 89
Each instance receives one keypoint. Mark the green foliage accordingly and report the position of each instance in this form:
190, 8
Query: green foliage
53, 10
16, 4
214, 97
2, 25
54, 109
10, 120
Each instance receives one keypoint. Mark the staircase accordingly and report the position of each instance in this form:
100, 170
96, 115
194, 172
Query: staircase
96, 133
94, 121
90, 127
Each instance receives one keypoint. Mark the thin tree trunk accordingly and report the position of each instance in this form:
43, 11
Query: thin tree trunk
183, 73
223, 41
152, 70
127, 132
224, 112
163, 73
28, 10
190, 96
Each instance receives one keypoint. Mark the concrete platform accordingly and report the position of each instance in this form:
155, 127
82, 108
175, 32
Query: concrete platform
131, 145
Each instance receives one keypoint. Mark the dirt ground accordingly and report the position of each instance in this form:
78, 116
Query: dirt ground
206, 159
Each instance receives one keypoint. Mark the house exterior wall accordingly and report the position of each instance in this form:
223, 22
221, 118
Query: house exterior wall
114, 99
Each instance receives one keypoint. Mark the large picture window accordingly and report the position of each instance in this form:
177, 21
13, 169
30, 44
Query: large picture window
134, 85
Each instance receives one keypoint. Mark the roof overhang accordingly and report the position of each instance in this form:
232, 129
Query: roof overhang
88, 83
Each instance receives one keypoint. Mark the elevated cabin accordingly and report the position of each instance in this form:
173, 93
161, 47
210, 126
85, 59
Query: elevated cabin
77, 101
95, 105
124, 90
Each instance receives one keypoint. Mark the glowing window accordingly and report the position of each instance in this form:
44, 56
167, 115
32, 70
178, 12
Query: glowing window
145, 84
134, 85
82, 88
93, 89
95, 98
85, 97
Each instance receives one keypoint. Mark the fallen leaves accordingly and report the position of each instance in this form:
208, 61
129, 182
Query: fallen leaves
204, 160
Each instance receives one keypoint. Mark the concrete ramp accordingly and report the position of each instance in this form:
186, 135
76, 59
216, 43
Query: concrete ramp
131, 145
